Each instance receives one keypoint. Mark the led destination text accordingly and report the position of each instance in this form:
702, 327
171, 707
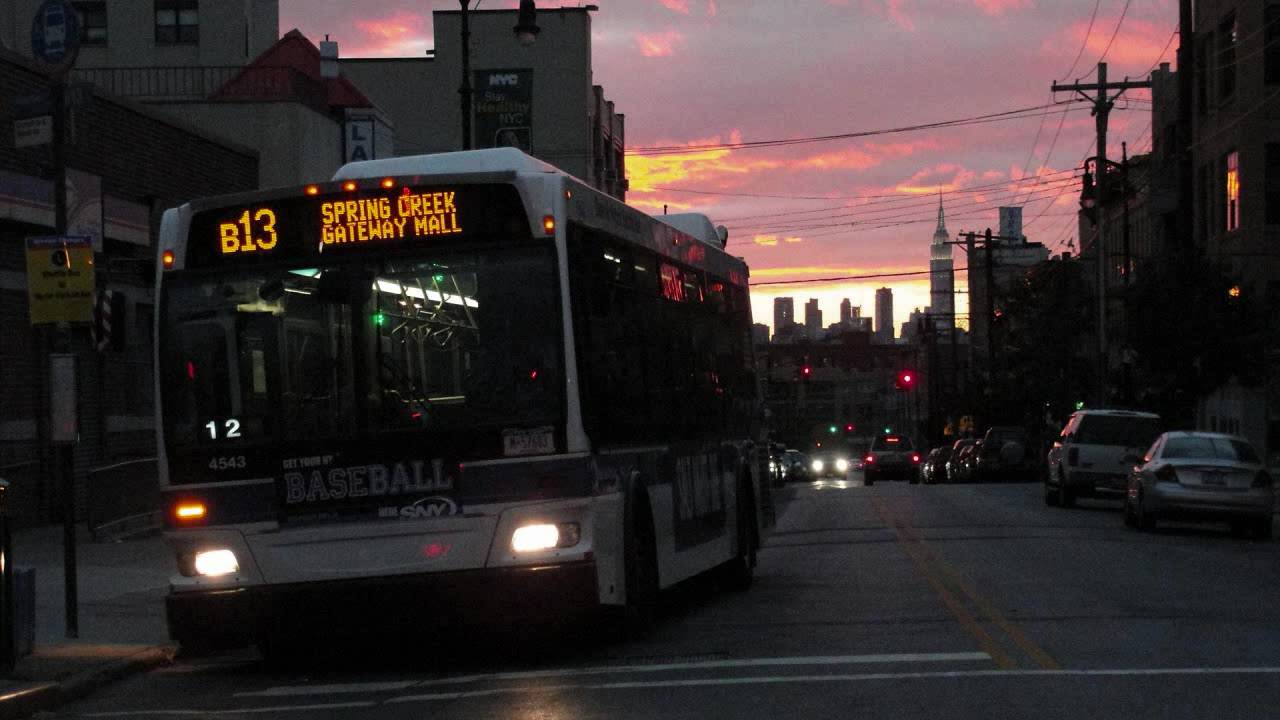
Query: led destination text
384, 218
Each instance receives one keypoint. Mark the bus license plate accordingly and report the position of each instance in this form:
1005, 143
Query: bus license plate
537, 441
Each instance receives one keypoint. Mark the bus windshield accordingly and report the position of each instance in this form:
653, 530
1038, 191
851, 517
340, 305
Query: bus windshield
457, 340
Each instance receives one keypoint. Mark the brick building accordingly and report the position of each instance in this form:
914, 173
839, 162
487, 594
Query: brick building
126, 165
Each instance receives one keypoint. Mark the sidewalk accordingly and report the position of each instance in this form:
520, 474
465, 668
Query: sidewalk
122, 629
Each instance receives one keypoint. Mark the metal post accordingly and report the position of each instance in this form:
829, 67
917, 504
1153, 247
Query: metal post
1186, 90
64, 458
465, 91
6, 584
1128, 269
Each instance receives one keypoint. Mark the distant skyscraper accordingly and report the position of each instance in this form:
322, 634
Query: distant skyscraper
942, 277
784, 313
813, 319
846, 312
884, 315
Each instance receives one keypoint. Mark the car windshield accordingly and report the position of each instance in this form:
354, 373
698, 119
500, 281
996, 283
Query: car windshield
1203, 447
1123, 430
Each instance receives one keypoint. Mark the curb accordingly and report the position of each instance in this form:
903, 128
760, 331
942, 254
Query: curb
49, 695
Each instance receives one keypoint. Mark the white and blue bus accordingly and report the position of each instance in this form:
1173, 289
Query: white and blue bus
463, 385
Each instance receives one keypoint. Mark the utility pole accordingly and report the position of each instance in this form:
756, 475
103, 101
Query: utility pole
1103, 102
969, 242
465, 92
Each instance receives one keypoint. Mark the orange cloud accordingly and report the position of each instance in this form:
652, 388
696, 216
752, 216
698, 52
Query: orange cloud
999, 7
661, 44
765, 240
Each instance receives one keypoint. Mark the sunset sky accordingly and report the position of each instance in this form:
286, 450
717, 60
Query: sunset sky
710, 72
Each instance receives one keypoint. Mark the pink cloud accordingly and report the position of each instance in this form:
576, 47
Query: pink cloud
1138, 45
999, 7
680, 6
661, 44
711, 8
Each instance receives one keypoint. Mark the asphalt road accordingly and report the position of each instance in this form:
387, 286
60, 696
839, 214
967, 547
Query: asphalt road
895, 601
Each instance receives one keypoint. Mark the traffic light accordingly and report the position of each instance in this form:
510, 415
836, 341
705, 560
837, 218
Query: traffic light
806, 370
833, 429
906, 380
848, 428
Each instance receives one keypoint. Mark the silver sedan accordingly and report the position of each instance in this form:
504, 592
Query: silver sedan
1201, 476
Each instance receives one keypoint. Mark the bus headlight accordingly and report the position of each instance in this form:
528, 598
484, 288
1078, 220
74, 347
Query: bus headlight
842, 465
544, 536
817, 466
213, 563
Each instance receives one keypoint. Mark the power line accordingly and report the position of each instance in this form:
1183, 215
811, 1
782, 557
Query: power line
1115, 32
1084, 42
876, 276
958, 122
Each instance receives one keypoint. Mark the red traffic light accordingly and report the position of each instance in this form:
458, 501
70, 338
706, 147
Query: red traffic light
906, 380
848, 427
806, 371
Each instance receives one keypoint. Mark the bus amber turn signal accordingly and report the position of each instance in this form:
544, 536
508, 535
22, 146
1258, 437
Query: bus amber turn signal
189, 511
167, 259
549, 224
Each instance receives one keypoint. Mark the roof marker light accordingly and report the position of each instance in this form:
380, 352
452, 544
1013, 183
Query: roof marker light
388, 183
313, 190
349, 185
549, 224
167, 259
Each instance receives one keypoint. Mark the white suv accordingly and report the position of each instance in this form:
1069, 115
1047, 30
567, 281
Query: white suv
1096, 452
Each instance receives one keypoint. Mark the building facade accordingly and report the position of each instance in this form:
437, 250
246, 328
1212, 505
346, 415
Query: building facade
884, 315
557, 112
126, 165
942, 276
812, 320
1010, 261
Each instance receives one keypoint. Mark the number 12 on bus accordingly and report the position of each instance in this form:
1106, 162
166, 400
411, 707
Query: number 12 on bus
466, 375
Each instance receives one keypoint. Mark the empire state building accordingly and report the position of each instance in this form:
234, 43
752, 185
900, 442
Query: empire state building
942, 303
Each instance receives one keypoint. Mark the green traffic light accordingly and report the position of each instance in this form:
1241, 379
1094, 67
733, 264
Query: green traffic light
888, 430
1080, 405
379, 319
832, 429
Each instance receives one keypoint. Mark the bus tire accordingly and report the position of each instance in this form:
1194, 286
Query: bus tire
740, 571
640, 557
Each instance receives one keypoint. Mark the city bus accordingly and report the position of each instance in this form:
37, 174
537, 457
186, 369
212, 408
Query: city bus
463, 388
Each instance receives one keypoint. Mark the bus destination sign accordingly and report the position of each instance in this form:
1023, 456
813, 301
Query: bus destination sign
295, 227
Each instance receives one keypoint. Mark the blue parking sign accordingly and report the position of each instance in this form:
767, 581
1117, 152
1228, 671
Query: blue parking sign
55, 35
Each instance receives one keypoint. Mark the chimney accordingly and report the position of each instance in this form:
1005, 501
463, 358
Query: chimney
328, 58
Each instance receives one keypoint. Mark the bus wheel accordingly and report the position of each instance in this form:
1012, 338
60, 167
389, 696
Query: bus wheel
739, 572
641, 567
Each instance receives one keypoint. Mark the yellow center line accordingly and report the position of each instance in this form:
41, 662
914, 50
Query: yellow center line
966, 620
1042, 658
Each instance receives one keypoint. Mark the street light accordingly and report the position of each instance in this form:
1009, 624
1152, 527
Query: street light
526, 31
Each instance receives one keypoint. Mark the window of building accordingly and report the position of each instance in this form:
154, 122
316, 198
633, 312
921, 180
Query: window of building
1233, 191
1273, 183
93, 22
178, 22
1228, 33
1271, 44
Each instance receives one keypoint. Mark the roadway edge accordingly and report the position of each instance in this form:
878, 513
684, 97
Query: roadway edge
42, 697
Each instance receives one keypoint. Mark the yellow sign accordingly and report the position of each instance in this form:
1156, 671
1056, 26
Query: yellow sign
60, 279
386, 218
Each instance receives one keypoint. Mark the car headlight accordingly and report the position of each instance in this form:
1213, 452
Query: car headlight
817, 466
842, 465
544, 536
214, 563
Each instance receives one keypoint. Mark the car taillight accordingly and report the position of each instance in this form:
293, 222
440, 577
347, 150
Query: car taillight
1262, 480
1073, 457
915, 458
869, 459
1167, 474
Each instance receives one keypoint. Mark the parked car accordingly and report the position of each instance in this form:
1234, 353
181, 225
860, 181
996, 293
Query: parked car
934, 468
958, 450
1201, 476
1005, 455
966, 461
1094, 454
891, 456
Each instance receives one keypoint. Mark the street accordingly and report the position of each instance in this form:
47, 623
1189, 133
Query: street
967, 601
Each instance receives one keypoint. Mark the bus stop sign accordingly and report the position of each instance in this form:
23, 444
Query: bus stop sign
55, 36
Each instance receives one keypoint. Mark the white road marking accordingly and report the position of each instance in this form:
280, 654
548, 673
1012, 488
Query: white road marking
721, 664
237, 711
336, 689
866, 677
